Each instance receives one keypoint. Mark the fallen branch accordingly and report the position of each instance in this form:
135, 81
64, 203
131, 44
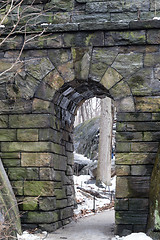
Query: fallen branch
92, 192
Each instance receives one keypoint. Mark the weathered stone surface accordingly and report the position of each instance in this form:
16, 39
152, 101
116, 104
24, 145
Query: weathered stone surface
133, 61
56, 148
47, 174
38, 188
45, 92
125, 104
121, 204
83, 39
30, 203
147, 104
20, 106
42, 217
125, 38
102, 24
101, 59
25, 146
23, 173
144, 83
39, 68
135, 158
27, 135
54, 80
26, 86
66, 213
122, 170
122, 190
4, 121
127, 16
41, 42
147, 24
18, 187
155, 116
151, 136
51, 227
81, 61
141, 203
67, 71
151, 59
120, 90
153, 36
96, 7
30, 121
144, 147
59, 56
49, 134
59, 162
83, 19
60, 5
60, 193
47, 204
10, 155
7, 135
137, 126
123, 147
11, 162
128, 136
141, 170
131, 217
41, 106
132, 186
131, 117
61, 203
110, 78
36, 159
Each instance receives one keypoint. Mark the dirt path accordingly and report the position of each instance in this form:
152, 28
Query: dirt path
96, 227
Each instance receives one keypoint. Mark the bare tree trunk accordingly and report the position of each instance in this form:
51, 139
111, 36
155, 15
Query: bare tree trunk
105, 143
82, 113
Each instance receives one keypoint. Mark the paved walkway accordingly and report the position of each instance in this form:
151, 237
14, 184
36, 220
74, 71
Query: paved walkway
96, 227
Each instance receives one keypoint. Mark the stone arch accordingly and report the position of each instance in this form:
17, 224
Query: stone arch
43, 98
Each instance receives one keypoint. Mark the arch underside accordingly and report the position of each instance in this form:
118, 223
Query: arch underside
38, 105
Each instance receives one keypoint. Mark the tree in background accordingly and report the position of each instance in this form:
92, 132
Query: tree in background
89, 109
105, 143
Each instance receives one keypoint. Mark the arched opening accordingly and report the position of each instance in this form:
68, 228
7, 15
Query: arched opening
37, 126
67, 100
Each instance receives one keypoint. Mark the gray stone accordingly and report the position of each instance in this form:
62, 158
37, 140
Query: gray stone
133, 61
101, 59
96, 7
47, 204
125, 38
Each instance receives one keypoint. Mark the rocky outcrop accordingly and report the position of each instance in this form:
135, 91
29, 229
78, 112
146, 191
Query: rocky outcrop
86, 138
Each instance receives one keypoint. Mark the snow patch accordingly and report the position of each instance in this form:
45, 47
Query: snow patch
133, 236
156, 18
85, 201
28, 236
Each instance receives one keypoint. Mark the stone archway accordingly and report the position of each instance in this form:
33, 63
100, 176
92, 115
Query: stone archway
36, 127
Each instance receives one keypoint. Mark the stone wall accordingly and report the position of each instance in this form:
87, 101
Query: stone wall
76, 13
41, 88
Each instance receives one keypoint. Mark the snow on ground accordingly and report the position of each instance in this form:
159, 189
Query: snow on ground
85, 201
28, 236
133, 236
